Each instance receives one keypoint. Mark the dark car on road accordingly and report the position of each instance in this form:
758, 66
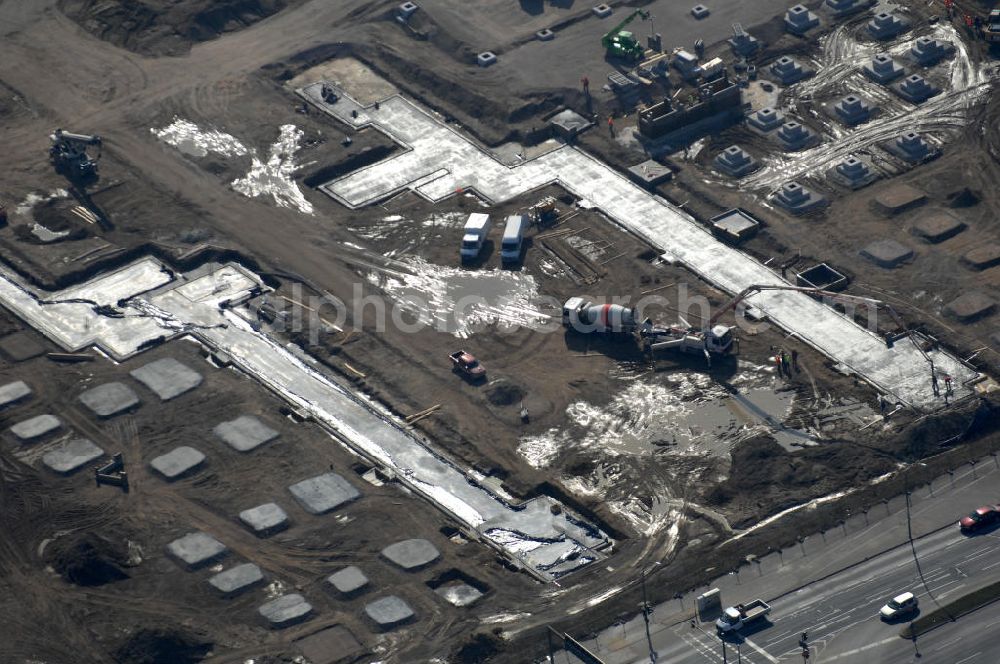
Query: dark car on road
983, 517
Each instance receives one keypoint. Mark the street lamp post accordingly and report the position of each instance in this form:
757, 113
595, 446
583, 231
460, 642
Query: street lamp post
645, 615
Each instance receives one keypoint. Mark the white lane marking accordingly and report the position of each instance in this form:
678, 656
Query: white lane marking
991, 566
760, 651
969, 658
851, 653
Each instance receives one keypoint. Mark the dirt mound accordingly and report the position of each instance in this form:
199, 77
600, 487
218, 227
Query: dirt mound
166, 27
504, 393
88, 559
160, 646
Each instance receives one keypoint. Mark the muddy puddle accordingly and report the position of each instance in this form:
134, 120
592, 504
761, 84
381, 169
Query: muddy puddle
266, 177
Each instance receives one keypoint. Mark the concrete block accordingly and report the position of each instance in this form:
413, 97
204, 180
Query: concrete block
787, 70
167, 378
265, 520
332, 645
178, 462
406, 10
852, 110
735, 162
797, 198
237, 579
911, 147
735, 225
68, 457
650, 173
568, 123
853, 172
915, 89
323, 493
766, 119
799, 20
20, 346
743, 43
109, 399
937, 226
821, 276
794, 136
928, 51
197, 549
285, 610
411, 554
602, 10
700, 12
898, 198
348, 581
887, 253
841, 8
486, 58
886, 25
983, 257
459, 594
883, 69
11, 393
545, 34
35, 427
245, 433
389, 612
971, 306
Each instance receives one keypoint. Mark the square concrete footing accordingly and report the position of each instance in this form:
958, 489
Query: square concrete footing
937, 226
459, 594
650, 173
602, 10
799, 20
411, 554
36, 427
167, 378
323, 493
11, 393
887, 253
735, 162
899, 198
332, 645
67, 458
883, 69
793, 136
348, 581
928, 51
854, 172
766, 119
852, 110
915, 89
197, 549
178, 462
700, 12
109, 399
486, 58
797, 198
983, 257
567, 123
265, 520
388, 612
20, 346
286, 610
245, 433
971, 306
735, 225
237, 579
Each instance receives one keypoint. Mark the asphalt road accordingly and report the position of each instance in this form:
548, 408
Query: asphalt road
840, 614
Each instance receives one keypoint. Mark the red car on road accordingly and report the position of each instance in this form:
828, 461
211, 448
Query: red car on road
982, 518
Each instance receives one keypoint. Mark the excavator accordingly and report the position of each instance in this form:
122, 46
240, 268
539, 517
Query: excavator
69, 157
620, 43
720, 340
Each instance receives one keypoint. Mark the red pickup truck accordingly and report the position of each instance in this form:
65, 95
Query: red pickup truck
466, 364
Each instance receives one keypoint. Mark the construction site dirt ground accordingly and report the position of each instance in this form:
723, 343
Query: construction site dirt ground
642, 446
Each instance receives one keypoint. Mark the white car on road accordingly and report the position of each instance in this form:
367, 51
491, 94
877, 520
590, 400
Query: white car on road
899, 606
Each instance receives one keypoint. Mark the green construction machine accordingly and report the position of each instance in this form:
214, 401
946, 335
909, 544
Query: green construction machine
621, 43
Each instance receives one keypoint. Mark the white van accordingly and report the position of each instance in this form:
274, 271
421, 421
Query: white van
474, 236
513, 238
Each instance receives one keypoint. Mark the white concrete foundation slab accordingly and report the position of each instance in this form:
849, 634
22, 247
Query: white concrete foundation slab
323, 493
389, 611
197, 549
348, 580
68, 457
411, 554
245, 433
35, 427
177, 462
265, 519
435, 148
286, 610
237, 579
110, 399
167, 378
11, 393
459, 594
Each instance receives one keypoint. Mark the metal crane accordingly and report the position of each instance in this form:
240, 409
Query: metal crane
621, 43
69, 157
